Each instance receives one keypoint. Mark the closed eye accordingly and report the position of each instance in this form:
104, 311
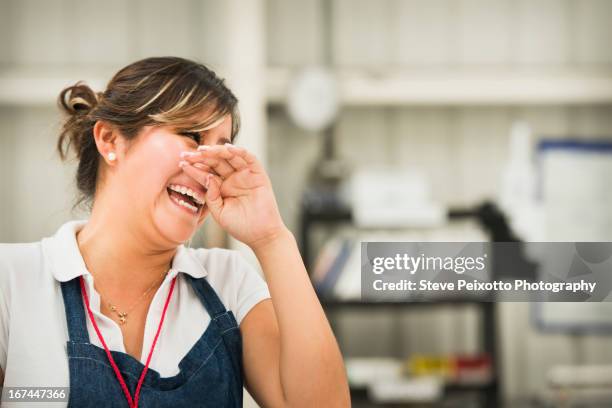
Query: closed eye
194, 135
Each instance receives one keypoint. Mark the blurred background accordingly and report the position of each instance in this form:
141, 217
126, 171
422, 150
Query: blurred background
415, 120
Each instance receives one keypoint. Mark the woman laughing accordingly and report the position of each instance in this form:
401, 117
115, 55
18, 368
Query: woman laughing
117, 310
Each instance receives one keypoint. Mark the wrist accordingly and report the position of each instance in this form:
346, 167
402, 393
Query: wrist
272, 240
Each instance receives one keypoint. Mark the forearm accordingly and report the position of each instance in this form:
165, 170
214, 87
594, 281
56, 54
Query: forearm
311, 368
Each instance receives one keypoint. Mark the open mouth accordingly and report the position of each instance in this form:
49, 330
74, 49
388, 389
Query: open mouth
185, 201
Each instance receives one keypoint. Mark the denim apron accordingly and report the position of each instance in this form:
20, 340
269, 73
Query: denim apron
210, 373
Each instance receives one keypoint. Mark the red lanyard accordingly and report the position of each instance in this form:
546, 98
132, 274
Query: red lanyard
132, 403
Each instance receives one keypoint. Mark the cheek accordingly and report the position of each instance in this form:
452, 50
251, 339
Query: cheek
164, 158
165, 151
152, 170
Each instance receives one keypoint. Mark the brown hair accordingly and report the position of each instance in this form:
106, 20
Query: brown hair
153, 91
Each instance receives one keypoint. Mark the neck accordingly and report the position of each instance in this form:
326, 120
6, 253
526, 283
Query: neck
118, 257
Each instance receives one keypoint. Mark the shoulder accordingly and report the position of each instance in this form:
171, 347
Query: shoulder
19, 253
236, 281
225, 268
20, 264
25, 259
213, 258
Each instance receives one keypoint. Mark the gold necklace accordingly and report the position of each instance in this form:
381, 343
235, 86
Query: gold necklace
123, 315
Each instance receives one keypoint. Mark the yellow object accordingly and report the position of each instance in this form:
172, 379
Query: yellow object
427, 365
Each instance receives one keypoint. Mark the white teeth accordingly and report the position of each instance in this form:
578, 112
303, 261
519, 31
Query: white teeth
191, 207
185, 204
188, 191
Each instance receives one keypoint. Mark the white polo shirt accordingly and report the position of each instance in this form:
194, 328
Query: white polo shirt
33, 330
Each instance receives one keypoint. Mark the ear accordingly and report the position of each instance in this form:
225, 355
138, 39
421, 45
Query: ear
107, 140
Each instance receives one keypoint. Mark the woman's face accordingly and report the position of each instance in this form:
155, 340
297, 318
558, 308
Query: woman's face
148, 170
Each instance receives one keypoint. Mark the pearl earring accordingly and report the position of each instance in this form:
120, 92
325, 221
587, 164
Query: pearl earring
112, 156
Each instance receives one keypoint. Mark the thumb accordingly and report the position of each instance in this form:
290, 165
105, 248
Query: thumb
214, 201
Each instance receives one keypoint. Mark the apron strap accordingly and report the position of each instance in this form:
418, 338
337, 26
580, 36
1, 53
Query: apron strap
75, 311
214, 306
223, 319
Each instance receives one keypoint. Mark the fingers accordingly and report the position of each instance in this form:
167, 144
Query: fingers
228, 162
218, 165
214, 199
224, 155
198, 174
205, 167
216, 158
223, 160
238, 163
223, 152
248, 157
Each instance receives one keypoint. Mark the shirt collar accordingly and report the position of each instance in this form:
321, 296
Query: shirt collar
62, 251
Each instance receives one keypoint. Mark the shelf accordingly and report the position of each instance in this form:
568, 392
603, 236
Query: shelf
448, 387
31, 88
361, 87
360, 399
438, 303
329, 211
395, 87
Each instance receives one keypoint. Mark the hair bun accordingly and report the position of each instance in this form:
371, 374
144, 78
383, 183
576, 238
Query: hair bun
78, 99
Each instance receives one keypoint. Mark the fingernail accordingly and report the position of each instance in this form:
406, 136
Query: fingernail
199, 165
188, 154
203, 147
207, 181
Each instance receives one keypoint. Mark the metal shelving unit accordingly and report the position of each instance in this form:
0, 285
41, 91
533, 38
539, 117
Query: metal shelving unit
328, 213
